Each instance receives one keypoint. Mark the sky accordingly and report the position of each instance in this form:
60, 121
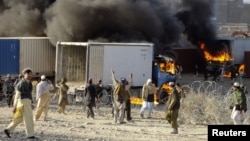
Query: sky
246, 1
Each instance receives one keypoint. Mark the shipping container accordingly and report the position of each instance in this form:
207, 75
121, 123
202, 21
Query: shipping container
9, 56
79, 61
17, 53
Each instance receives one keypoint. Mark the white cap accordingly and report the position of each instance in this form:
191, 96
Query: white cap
171, 83
8, 75
149, 81
43, 77
236, 84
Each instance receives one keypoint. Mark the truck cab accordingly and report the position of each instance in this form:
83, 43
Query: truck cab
164, 71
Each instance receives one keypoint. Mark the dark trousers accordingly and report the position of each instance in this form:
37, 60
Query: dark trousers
10, 99
90, 112
128, 110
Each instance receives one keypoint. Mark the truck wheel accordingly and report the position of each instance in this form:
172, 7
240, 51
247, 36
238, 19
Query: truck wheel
104, 98
163, 96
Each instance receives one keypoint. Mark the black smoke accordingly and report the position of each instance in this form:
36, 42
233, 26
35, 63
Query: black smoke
109, 20
23, 17
197, 16
113, 20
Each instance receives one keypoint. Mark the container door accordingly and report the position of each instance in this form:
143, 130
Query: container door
95, 69
9, 56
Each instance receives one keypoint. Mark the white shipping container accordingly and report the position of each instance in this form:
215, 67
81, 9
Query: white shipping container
124, 59
99, 58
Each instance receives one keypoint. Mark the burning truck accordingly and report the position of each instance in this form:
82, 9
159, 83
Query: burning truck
227, 56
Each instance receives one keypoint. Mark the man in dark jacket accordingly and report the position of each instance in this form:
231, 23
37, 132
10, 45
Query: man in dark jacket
99, 89
91, 97
9, 90
128, 102
173, 106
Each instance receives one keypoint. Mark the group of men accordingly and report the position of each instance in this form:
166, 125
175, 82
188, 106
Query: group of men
23, 105
121, 96
23, 101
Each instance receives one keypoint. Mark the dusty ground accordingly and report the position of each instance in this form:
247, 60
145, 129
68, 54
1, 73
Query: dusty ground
76, 126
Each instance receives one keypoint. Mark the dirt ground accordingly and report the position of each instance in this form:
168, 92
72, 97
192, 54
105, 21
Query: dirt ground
76, 126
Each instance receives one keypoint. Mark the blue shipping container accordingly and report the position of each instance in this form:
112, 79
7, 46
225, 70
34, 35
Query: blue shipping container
9, 56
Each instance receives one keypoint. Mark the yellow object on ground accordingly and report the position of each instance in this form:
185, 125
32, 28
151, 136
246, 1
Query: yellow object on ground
138, 101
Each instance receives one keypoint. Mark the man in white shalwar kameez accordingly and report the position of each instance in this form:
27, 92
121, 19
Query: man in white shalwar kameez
43, 97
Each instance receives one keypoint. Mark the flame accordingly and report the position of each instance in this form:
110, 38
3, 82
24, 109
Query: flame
139, 101
240, 68
227, 74
167, 66
166, 87
221, 56
170, 67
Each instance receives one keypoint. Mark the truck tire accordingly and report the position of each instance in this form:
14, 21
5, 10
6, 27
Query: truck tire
163, 96
104, 97
163, 93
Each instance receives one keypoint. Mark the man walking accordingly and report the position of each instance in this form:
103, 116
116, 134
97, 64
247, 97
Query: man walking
43, 97
239, 104
148, 91
173, 106
23, 105
91, 98
99, 89
63, 95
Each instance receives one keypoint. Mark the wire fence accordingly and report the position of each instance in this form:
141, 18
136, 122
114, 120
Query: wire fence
207, 102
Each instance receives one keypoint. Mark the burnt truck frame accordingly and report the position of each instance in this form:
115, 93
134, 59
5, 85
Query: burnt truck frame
236, 48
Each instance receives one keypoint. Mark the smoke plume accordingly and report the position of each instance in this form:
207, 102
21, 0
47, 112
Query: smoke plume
22, 18
109, 20
197, 17
112, 20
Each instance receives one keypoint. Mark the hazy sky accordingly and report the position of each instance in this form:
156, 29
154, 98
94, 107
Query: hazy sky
246, 1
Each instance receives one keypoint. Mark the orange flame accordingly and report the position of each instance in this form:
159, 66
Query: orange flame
242, 68
170, 67
221, 56
139, 101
